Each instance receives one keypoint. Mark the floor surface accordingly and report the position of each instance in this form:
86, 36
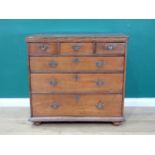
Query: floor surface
14, 121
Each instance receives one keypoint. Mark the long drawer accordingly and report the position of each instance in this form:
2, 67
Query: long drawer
77, 105
74, 83
76, 64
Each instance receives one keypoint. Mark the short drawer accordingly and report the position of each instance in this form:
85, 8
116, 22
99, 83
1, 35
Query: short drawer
42, 49
74, 83
76, 105
110, 48
76, 48
76, 64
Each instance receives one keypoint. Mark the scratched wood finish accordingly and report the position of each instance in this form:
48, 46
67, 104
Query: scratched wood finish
69, 105
78, 64
68, 83
70, 48
42, 49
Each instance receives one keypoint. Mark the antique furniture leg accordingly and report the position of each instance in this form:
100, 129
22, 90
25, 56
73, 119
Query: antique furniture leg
37, 123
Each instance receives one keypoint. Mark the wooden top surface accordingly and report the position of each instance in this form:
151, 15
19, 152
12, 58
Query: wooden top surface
77, 37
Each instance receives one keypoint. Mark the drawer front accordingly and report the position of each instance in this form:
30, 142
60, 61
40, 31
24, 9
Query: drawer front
83, 83
76, 64
76, 48
110, 48
42, 49
76, 105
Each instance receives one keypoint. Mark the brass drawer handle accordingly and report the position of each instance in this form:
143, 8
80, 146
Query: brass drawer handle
43, 47
53, 64
53, 82
55, 105
77, 98
76, 77
76, 60
100, 63
99, 82
109, 47
76, 47
100, 105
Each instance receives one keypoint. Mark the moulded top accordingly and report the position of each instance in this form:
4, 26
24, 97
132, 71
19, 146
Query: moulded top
78, 36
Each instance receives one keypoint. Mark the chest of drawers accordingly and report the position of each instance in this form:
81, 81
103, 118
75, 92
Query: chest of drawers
76, 78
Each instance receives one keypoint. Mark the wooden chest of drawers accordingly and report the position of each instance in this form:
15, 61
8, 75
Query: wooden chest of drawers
77, 78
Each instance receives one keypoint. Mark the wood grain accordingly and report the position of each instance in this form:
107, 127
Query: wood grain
69, 106
36, 50
70, 75
117, 48
78, 64
67, 83
67, 48
75, 38
74, 119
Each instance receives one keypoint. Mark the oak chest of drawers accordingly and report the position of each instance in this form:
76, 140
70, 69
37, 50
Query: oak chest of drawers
77, 78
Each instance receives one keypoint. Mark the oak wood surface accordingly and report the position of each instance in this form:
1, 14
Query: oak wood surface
78, 64
36, 49
69, 83
76, 119
68, 48
70, 106
117, 48
77, 72
75, 38
124, 79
